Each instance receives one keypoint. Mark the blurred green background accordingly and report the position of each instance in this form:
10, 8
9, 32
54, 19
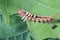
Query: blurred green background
12, 27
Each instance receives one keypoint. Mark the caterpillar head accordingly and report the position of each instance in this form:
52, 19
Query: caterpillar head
21, 12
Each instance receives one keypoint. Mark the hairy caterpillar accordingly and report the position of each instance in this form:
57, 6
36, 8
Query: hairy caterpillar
41, 19
28, 16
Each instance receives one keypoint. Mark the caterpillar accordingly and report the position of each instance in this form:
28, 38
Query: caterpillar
41, 19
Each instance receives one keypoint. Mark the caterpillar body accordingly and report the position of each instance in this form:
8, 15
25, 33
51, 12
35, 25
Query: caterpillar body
28, 16
41, 19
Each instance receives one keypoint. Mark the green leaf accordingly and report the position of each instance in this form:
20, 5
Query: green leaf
16, 31
11, 26
9, 7
40, 31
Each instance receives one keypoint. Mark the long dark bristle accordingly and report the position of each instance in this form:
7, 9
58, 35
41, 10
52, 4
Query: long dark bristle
15, 14
56, 21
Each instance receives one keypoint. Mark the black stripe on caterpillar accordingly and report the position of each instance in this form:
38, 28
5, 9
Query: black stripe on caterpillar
28, 16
